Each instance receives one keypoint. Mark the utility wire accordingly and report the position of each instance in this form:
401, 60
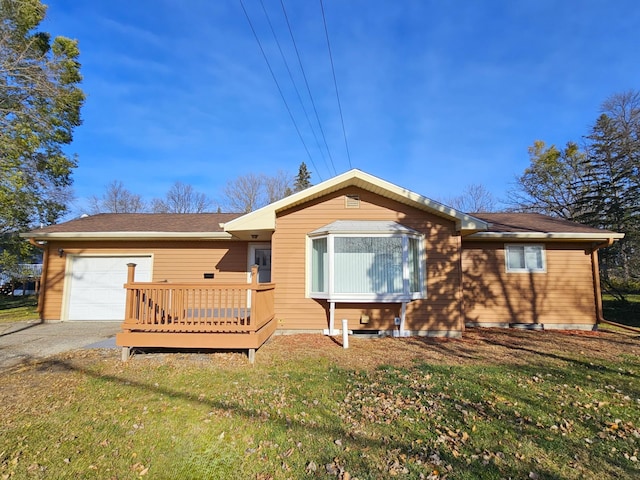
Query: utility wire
304, 75
278, 85
335, 83
284, 59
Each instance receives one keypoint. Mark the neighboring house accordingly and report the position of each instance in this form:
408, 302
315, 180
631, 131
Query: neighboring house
26, 276
353, 247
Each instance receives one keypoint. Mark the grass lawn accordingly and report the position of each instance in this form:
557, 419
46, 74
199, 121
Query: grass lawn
496, 404
627, 313
14, 309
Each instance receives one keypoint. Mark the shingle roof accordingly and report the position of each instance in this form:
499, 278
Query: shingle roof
532, 222
142, 222
208, 225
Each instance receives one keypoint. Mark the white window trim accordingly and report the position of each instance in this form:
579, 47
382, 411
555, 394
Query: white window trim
542, 247
333, 296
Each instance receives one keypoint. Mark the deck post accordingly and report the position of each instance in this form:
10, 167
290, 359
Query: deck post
128, 309
252, 355
254, 319
131, 272
126, 353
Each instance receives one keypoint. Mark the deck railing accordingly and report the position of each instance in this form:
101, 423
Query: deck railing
197, 314
198, 306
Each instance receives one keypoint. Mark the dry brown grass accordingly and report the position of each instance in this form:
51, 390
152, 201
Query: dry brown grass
309, 402
478, 346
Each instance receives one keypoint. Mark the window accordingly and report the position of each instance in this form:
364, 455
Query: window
320, 266
385, 267
525, 258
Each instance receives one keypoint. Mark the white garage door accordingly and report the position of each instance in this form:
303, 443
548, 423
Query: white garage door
95, 286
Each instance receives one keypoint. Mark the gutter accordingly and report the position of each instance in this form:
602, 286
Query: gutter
73, 236
605, 239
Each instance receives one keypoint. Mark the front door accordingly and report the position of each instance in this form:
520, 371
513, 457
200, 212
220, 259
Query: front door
260, 255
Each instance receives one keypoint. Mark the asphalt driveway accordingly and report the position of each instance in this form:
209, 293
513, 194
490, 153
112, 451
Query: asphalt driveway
26, 341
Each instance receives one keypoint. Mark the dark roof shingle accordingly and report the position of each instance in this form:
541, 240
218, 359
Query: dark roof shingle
532, 222
143, 222
210, 223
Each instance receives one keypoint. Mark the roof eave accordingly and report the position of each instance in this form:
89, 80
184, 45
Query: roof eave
128, 236
559, 236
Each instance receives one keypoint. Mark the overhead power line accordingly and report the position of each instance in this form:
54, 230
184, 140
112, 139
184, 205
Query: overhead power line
335, 83
264, 55
295, 87
306, 82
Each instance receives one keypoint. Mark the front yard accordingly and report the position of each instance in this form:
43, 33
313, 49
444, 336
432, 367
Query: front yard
496, 404
18, 308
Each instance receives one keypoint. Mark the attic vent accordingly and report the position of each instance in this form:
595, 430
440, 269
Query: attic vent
352, 201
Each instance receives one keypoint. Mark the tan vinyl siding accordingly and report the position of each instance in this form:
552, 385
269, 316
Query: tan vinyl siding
562, 295
174, 261
440, 311
52, 284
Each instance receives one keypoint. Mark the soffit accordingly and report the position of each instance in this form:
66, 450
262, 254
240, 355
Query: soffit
265, 218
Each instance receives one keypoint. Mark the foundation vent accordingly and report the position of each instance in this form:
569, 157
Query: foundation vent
352, 201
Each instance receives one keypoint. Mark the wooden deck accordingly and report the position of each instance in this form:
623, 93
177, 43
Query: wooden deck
197, 315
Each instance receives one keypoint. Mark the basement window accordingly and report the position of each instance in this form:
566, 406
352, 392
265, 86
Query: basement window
525, 258
362, 261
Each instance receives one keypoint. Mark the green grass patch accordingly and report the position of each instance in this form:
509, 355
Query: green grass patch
572, 417
18, 308
626, 312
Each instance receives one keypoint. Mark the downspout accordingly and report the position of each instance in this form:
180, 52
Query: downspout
595, 269
43, 275
460, 295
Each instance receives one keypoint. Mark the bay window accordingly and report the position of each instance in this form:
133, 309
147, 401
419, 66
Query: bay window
363, 261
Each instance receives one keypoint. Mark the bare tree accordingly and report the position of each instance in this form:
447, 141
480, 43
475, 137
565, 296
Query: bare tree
252, 191
182, 198
474, 198
245, 193
278, 186
117, 199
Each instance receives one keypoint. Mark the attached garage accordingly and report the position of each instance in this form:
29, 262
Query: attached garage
94, 285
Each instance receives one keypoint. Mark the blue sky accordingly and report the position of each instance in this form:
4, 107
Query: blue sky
435, 94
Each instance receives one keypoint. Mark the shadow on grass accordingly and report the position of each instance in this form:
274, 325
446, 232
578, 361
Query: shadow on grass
624, 312
519, 341
10, 301
402, 438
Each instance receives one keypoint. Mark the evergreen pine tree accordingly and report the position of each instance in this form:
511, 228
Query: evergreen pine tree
612, 183
302, 179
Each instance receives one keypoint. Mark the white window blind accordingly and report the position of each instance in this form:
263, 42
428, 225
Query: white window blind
372, 267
